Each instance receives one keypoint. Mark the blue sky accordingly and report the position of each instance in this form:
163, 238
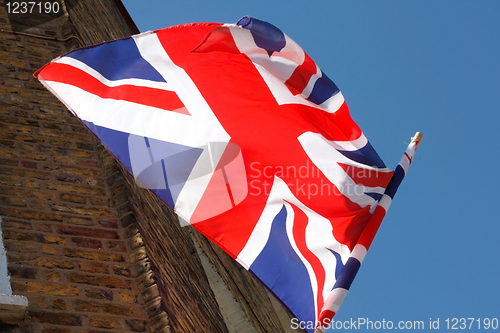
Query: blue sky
405, 66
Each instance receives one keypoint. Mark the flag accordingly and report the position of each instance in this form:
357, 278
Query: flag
239, 131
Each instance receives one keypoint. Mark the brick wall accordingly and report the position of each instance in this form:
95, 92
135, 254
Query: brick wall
71, 249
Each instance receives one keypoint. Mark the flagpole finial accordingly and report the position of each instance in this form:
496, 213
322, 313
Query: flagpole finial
417, 137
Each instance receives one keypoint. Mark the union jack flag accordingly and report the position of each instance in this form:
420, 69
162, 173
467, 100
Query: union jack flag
241, 133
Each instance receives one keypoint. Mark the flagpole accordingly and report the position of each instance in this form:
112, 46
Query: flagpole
341, 287
371, 228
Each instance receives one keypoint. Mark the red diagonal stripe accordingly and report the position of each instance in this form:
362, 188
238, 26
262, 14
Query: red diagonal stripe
154, 97
301, 76
300, 222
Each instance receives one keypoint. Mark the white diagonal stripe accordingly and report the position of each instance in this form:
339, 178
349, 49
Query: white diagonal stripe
112, 83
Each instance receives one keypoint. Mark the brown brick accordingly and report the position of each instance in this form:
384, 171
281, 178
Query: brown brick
10, 181
89, 232
60, 142
8, 161
159, 322
80, 153
150, 293
31, 214
40, 54
18, 121
74, 188
44, 288
84, 210
99, 201
99, 280
27, 138
124, 209
94, 267
17, 225
25, 130
92, 181
13, 90
22, 154
51, 239
145, 280
117, 246
70, 169
42, 261
18, 235
93, 255
79, 128
56, 329
85, 146
103, 307
7, 152
142, 266
44, 227
59, 304
64, 151
116, 178
32, 184
113, 224
104, 294
46, 110
49, 250
22, 246
6, 127
54, 114
69, 179
153, 307
55, 126
77, 220
29, 164
38, 301
22, 272
87, 242
53, 276
122, 270
136, 325
56, 133
116, 190
36, 204
65, 159
73, 198
27, 173
119, 199
131, 228
104, 322
43, 101
18, 76
89, 163
126, 297
27, 193
136, 242
56, 318
15, 63
26, 146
